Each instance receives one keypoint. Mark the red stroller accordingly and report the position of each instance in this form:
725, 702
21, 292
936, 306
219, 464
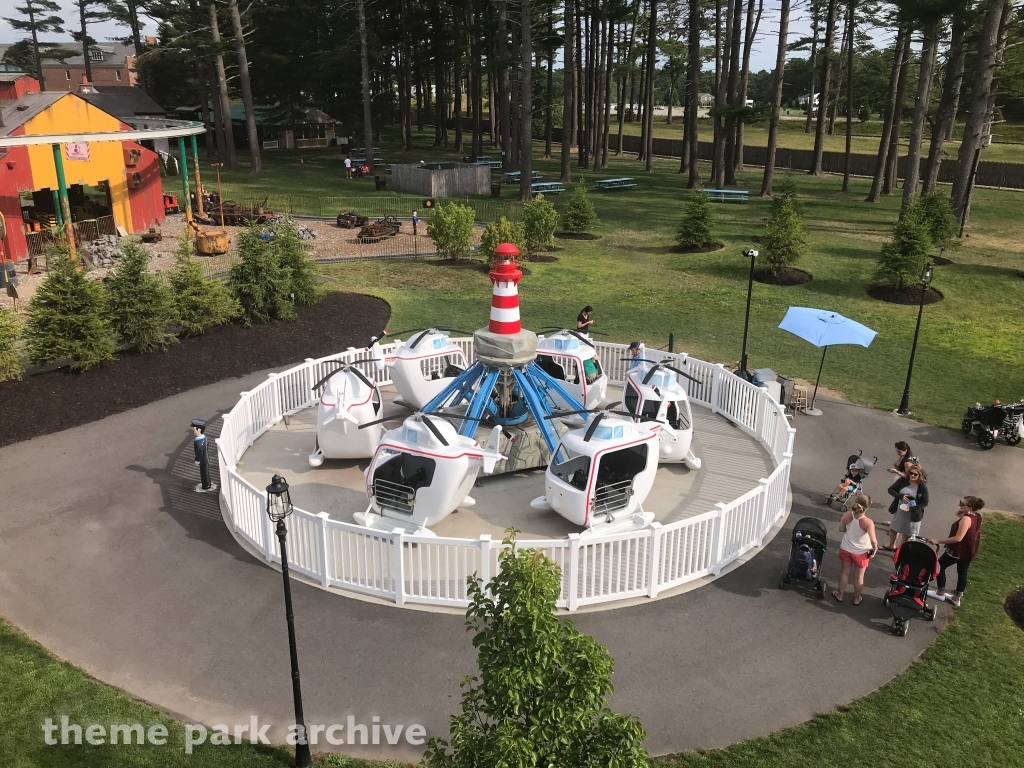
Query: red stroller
916, 565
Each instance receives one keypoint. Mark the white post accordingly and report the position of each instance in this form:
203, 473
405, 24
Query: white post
275, 387
789, 449
654, 574
716, 385
224, 444
485, 558
248, 423
399, 568
574, 567
761, 406
321, 543
310, 380
762, 515
716, 568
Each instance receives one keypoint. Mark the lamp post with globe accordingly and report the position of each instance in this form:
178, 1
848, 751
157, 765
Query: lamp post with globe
926, 278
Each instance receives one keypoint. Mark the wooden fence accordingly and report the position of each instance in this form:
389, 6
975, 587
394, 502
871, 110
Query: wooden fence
457, 181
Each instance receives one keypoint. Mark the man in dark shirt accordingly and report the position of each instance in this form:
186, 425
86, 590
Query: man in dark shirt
583, 321
202, 454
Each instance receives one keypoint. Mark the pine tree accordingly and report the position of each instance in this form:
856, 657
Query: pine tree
67, 316
696, 230
541, 696
139, 304
501, 231
201, 304
258, 281
578, 215
540, 219
903, 257
937, 213
10, 358
784, 237
293, 254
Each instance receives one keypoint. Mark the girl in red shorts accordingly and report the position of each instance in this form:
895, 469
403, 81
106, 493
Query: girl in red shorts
858, 546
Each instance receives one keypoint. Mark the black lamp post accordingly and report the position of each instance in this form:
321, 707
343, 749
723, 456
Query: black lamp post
926, 277
279, 506
752, 255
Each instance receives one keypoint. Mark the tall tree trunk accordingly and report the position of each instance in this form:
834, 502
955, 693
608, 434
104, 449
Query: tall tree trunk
550, 84
222, 86
773, 126
834, 98
606, 129
568, 91
504, 114
652, 47
213, 95
364, 65
753, 22
255, 164
827, 54
815, 25
892, 163
734, 93
202, 83
641, 110
133, 23
627, 71
951, 82
888, 115
693, 73
419, 100
35, 46
515, 102
457, 76
526, 89
577, 79
851, 34
477, 89
85, 40
722, 55
924, 92
587, 66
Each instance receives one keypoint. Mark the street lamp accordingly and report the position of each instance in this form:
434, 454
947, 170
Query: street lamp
926, 277
752, 255
279, 506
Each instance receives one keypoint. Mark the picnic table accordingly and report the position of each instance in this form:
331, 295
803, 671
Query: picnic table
626, 182
362, 161
728, 195
548, 187
512, 177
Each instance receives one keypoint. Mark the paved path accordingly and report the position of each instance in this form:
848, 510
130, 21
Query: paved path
110, 560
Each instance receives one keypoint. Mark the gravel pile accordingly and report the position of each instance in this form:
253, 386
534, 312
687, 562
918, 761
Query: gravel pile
103, 252
303, 232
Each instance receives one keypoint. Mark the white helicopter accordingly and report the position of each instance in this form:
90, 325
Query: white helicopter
349, 400
571, 357
423, 366
600, 475
652, 390
423, 471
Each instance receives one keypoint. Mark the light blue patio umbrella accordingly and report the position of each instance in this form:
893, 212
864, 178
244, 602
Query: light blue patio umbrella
823, 328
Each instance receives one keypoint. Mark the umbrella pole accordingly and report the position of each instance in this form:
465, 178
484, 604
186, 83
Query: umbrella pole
812, 411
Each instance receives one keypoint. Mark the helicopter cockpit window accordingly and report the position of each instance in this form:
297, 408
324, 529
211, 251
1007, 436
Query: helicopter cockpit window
650, 409
677, 416
631, 398
376, 401
615, 474
396, 481
550, 367
451, 369
569, 468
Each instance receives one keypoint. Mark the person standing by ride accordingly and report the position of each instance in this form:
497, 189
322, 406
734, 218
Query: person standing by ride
961, 548
415, 221
348, 167
636, 354
583, 321
857, 548
909, 499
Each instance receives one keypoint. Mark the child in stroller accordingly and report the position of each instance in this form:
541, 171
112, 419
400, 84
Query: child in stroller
810, 543
907, 596
857, 469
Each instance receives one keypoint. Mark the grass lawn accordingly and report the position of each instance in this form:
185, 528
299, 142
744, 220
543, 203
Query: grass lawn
960, 704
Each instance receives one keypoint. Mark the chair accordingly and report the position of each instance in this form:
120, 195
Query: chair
799, 401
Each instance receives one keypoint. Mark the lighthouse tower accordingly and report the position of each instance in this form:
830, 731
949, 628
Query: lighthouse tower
505, 296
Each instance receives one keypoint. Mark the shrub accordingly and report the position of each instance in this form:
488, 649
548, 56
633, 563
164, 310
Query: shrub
541, 698
10, 359
67, 316
903, 257
293, 254
696, 230
539, 222
936, 211
578, 215
258, 281
450, 226
784, 238
201, 304
139, 304
501, 231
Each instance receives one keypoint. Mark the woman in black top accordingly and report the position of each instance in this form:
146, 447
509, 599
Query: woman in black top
909, 499
583, 321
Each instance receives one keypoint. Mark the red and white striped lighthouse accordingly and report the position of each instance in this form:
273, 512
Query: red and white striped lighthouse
505, 295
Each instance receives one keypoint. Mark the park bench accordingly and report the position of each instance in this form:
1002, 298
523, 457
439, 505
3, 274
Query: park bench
548, 187
512, 177
377, 161
625, 182
727, 195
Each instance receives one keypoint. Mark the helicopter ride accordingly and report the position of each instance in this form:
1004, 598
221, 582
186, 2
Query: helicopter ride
652, 390
425, 365
423, 471
571, 358
349, 399
600, 474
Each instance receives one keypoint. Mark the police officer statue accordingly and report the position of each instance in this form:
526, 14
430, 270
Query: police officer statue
202, 452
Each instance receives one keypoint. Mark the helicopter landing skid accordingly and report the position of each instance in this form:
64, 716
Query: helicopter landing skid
634, 522
376, 522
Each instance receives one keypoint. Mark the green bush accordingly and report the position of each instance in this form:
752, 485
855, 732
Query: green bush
578, 215
450, 226
539, 222
903, 257
784, 239
258, 281
200, 304
501, 231
67, 316
10, 359
936, 211
293, 254
696, 230
139, 304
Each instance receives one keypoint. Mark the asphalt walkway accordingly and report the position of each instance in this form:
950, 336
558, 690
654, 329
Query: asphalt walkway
110, 560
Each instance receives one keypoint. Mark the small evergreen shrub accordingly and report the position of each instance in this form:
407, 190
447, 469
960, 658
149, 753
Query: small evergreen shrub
539, 222
293, 254
936, 210
450, 226
139, 304
578, 215
696, 230
784, 237
903, 257
67, 316
10, 359
501, 231
258, 281
199, 303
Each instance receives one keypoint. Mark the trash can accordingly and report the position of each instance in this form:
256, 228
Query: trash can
762, 376
379, 183
495, 191
10, 278
787, 388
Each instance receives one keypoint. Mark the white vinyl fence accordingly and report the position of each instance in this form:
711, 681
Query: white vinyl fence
434, 570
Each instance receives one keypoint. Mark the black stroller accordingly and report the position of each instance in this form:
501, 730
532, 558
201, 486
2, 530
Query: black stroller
907, 596
810, 543
990, 422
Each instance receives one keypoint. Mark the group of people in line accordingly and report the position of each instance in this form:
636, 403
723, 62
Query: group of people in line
909, 492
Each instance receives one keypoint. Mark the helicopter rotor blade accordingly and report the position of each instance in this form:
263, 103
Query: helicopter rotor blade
360, 375
453, 330
425, 418
592, 428
582, 338
375, 423
684, 374
340, 363
403, 333
650, 373
415, 342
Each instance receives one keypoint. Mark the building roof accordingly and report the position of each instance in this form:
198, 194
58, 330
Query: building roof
113, 56
123, 101
12, 77
17, 113
275, 115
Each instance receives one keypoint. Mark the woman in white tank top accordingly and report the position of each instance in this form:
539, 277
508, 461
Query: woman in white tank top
857, 548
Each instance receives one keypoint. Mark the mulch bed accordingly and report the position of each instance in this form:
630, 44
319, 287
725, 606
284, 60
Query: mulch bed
1014, 607
909, 295
941, 261
540, 258
706, 248
785, 276
478, 265
58, 400
577, 236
